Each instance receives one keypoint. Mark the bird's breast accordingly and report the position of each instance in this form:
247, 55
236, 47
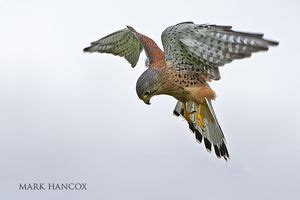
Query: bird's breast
185, 86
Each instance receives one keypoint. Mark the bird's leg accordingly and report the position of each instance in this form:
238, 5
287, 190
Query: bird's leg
199, 117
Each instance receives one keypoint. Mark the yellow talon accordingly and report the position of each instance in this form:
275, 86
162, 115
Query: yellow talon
186, 115
199, 117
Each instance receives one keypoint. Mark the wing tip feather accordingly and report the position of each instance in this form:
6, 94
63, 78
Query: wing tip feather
272, 42
131, 29
87, 49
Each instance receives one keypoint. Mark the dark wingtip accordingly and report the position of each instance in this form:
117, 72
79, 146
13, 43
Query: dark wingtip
133, 65
131, 28
272, 42
188, 22
86, 49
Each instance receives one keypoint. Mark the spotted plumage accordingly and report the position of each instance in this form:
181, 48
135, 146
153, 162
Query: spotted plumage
191, 58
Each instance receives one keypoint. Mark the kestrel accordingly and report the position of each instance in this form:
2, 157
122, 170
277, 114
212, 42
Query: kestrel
191, 58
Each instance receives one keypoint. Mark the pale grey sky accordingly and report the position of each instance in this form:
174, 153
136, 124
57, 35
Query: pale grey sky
66, 116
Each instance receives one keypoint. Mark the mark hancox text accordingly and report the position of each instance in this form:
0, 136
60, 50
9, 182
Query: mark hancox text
52, 186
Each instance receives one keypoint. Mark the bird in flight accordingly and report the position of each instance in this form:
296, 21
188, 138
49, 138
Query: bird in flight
191, 58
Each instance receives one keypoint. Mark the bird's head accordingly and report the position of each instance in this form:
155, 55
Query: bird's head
148, 85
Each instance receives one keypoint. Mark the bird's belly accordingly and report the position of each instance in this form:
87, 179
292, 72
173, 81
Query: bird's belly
194, 93
186, 86
199, 93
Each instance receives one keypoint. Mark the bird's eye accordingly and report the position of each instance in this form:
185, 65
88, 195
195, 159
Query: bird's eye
147, 93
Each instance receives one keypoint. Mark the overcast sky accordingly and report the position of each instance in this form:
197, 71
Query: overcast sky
66, 116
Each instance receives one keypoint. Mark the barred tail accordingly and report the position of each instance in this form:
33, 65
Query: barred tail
211, 133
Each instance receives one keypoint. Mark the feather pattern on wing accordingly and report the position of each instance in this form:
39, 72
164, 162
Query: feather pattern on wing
123, 43
207, 47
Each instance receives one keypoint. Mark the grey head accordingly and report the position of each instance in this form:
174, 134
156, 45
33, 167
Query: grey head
148, 85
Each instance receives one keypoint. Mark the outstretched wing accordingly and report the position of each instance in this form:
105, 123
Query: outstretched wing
120, 43
129, 44
207, 47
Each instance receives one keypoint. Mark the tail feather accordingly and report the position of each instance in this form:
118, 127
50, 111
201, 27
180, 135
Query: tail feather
198, 136
207, 144
212, 132
178, 109
217, 151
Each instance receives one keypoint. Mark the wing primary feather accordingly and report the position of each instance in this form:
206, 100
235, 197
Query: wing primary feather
122, 43
215, 45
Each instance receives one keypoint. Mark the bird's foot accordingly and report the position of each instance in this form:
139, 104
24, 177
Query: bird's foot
187, 117
199, 117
